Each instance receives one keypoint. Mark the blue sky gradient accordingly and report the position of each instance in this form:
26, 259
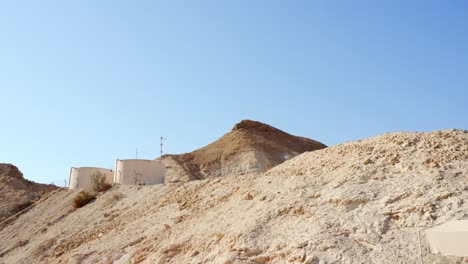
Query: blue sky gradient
83, 83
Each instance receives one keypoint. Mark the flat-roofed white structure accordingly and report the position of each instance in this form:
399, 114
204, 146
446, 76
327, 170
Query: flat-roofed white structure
449, 239
80, 178
138, 172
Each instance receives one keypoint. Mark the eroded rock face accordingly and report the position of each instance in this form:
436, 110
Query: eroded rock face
16, 193
10, 170
250, 147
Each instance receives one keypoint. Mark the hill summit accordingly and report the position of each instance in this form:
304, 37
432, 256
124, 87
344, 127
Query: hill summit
250, 147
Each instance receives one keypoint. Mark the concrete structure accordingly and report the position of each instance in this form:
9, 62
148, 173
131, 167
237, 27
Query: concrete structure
139, 172
449, 239
80, 178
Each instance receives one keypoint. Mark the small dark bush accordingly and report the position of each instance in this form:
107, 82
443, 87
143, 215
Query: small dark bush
105, 186
82, 199
22, 205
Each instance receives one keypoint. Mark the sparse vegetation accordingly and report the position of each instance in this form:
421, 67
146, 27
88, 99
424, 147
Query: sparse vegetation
105, 186
98, 180
25, 203
82, 199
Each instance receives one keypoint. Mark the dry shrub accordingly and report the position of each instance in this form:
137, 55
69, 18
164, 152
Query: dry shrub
98, 179
20, 206
105, 186
82, 199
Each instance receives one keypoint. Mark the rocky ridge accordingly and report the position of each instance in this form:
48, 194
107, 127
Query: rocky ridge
17, 193
250, 147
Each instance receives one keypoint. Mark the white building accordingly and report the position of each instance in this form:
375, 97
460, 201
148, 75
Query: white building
80, 178
139, 172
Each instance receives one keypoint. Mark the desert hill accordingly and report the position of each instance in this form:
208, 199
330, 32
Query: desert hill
16, 192
365, 201
250, 147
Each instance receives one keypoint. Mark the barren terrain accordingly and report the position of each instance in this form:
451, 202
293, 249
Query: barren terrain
365, 201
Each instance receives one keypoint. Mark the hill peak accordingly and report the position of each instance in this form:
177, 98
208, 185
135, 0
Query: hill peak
250, 147
10, 170
252, 125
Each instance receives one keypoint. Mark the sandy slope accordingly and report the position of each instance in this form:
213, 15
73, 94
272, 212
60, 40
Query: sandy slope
358, 202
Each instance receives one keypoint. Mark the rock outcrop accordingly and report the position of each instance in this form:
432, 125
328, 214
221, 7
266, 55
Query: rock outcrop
17, 193
250, 147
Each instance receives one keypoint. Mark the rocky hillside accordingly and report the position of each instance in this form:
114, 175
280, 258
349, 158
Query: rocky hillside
360, 202
250, 147
17, 193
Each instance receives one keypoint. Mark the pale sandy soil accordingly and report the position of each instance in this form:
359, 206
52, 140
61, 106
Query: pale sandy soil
358, 202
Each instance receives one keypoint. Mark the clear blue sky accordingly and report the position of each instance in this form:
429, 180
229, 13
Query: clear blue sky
83, 83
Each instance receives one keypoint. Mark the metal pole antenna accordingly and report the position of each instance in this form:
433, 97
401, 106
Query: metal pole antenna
162, 145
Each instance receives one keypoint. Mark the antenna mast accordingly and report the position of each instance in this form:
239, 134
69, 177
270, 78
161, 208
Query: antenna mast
162, 145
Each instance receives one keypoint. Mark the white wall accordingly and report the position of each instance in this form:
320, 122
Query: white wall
80, 178
139, 172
